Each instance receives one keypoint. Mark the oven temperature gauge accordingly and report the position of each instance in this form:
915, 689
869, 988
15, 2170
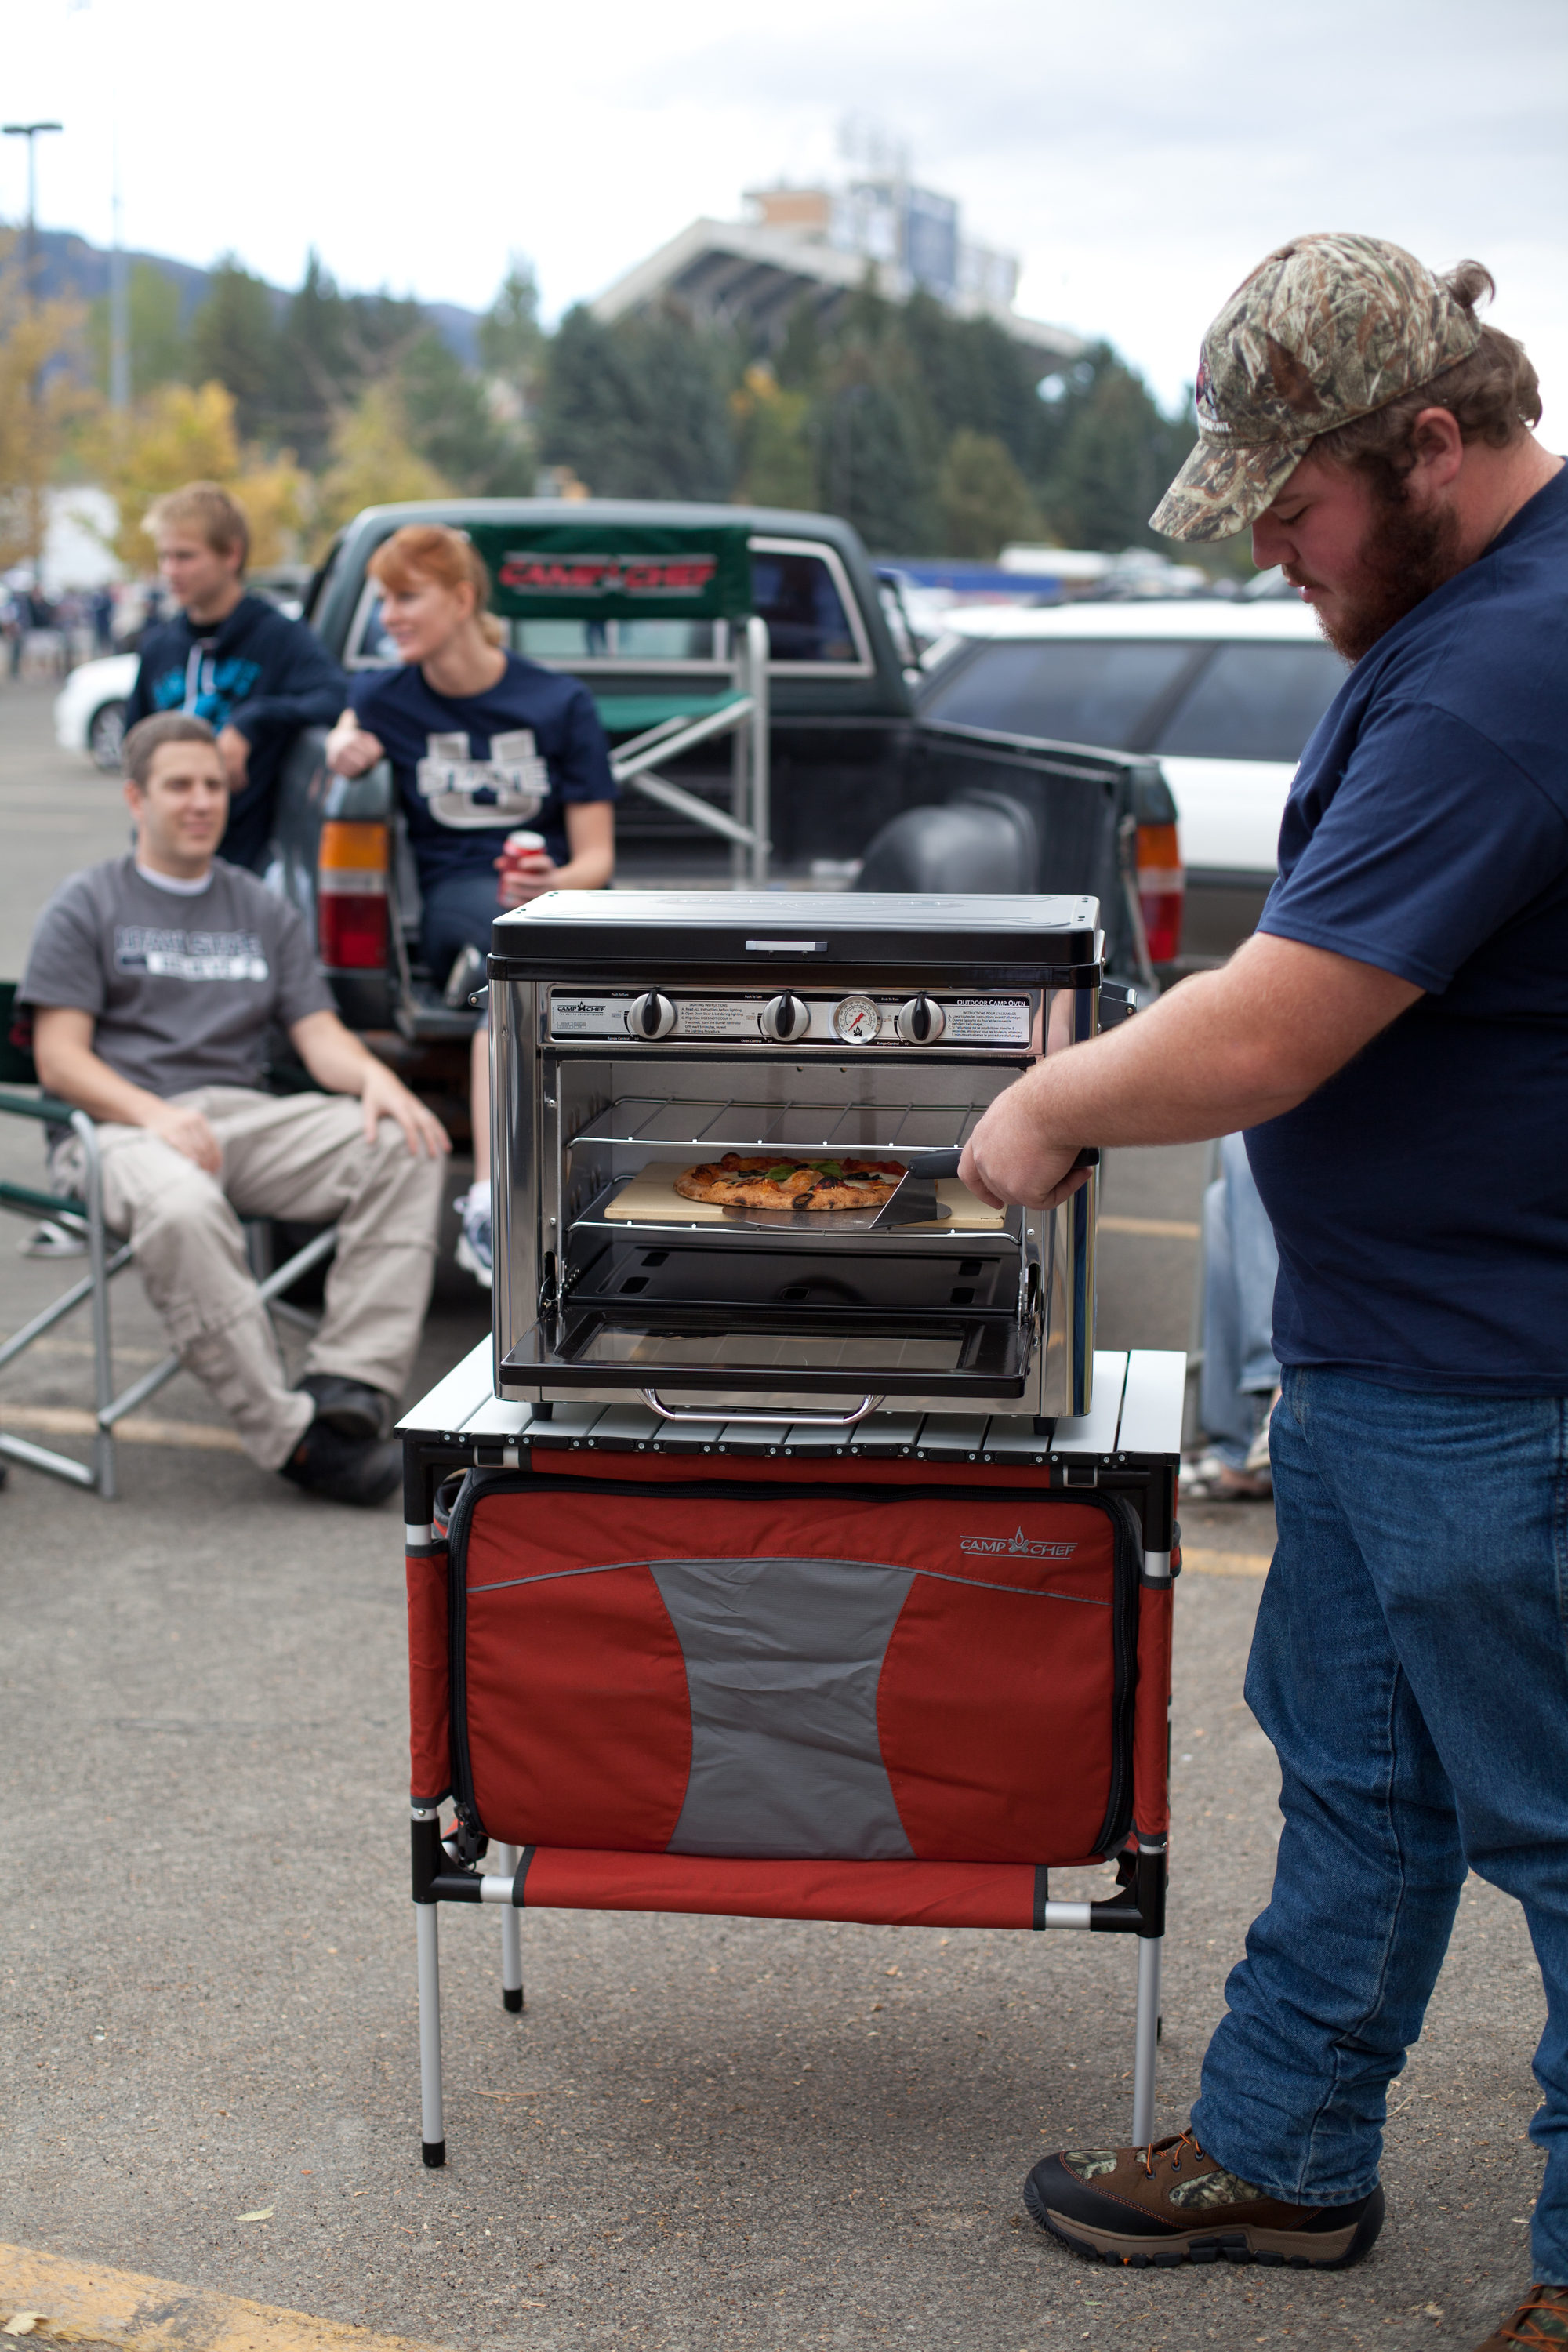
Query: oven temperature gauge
857, 1020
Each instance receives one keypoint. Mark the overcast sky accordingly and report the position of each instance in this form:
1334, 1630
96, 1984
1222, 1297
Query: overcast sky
1139, 157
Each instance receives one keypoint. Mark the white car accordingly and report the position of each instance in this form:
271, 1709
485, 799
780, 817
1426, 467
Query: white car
1223, 694
89, 709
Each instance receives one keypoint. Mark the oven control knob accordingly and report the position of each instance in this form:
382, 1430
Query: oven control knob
783, 1017
921, 1021
651, 1016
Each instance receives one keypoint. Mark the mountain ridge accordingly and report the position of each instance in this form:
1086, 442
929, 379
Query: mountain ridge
72, 267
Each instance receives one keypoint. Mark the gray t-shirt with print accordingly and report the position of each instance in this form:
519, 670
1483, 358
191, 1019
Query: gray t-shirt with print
182, 987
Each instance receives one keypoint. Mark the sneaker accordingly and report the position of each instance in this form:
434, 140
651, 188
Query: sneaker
343, 1469
1258, 1457
351, 1407
474, 1241
1540, 2321
49, 1240
1171, 2203
1206, 1478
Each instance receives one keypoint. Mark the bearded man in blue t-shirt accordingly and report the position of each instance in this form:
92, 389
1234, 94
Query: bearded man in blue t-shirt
1395, 1042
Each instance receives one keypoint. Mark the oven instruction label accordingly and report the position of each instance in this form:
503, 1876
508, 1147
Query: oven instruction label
988, 1020
716, 1016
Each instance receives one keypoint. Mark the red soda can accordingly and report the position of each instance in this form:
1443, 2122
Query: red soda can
516, 853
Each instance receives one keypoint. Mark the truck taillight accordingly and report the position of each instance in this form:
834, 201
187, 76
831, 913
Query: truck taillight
351, 896
1161, 890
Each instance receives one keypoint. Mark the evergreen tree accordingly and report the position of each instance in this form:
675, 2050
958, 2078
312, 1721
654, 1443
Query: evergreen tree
638, 410
159, 352
798, 361
983, 498
513, 343
778, 464
975, 377
234, 342
451, 423
878, 442
1116, 454
870, 464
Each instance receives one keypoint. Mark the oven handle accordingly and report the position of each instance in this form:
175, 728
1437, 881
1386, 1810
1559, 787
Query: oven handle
768, 1420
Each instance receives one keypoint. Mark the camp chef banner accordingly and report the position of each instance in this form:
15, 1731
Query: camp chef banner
603, 571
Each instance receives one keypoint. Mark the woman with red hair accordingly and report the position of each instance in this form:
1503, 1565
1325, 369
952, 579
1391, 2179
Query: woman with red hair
481, 742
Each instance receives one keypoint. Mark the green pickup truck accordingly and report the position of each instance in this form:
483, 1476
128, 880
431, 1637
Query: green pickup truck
754, 675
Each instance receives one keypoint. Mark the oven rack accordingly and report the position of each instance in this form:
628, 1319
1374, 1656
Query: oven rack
657, 1123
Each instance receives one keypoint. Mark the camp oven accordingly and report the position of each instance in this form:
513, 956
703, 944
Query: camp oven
636, 1035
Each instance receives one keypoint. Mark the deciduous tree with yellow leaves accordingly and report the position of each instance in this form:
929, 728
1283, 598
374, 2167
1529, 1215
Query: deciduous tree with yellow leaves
185, 433
39, 401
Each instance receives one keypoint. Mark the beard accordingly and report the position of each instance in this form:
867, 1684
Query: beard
1403, 557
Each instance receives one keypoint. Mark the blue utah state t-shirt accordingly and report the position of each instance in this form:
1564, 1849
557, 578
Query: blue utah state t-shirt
473, 768
1420, 1198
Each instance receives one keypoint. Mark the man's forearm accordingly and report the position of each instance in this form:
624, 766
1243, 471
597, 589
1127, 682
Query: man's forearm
1224, 1050
80, 1077
339, 1066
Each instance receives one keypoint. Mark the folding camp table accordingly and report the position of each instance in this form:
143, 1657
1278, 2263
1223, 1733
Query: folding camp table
895, 1675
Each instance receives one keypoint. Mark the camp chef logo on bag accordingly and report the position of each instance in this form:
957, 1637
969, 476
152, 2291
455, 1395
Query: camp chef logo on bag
1019, 1546
529, 574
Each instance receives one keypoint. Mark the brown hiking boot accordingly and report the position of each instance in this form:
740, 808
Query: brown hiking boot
1171, 2203
1541, 2321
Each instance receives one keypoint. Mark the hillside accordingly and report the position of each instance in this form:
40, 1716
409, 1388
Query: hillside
72, 267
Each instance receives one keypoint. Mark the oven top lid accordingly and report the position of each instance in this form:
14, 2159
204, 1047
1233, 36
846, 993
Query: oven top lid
770, 932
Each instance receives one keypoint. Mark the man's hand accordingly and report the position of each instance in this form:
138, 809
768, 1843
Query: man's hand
188, 1132
352, 750
384, 1095
1011, 1158
234, 751
1223, 1050
341, 1065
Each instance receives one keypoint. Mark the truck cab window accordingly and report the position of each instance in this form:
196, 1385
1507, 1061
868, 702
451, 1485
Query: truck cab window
799, 600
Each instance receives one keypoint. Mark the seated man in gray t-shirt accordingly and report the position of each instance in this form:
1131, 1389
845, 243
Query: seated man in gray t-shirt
154, 980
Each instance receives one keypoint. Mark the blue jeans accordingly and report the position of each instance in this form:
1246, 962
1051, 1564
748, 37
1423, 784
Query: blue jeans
458, 911
1241, 1264
1410, 1665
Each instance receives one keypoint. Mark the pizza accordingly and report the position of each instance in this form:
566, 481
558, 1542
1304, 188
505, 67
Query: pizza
785, 1183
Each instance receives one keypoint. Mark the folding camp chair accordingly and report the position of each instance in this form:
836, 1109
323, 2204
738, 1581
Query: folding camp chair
81, 1214
895, 1676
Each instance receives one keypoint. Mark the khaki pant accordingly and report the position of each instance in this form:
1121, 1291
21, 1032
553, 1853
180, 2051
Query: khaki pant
300, 1156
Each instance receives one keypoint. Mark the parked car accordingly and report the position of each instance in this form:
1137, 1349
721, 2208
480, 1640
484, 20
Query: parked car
89, 709
1223, 694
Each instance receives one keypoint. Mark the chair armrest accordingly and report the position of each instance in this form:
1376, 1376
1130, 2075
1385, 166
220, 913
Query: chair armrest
46, 1108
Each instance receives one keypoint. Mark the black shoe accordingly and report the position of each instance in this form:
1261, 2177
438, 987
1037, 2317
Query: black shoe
343, 1469
1170, 2202
351, 1407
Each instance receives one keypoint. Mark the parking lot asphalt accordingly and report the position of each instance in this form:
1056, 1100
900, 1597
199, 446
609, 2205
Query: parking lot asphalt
700, 2134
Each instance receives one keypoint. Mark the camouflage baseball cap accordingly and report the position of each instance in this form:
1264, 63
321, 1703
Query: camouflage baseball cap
1326, 328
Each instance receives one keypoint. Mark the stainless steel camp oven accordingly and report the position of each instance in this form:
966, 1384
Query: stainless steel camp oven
637, 1033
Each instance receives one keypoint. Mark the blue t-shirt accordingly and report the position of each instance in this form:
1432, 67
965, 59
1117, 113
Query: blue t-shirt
473, 768
1420, 1198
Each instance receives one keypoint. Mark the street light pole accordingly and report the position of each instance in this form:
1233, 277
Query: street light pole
30, 132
